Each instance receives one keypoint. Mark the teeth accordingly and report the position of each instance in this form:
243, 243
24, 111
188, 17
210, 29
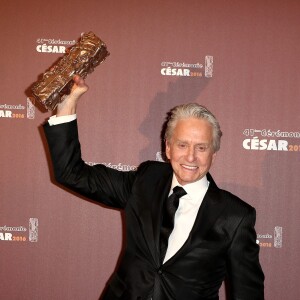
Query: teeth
190, 167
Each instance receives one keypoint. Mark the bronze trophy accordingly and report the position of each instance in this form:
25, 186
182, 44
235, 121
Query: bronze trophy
81, 59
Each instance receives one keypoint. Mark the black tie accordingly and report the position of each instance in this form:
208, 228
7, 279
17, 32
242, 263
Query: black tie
169, 209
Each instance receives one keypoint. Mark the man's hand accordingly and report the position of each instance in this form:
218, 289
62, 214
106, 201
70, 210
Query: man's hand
69, 104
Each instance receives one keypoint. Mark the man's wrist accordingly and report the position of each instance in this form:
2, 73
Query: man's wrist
56, 120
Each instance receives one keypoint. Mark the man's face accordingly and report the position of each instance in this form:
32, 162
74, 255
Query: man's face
190, 149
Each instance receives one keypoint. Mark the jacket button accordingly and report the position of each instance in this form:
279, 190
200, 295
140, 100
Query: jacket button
160, 271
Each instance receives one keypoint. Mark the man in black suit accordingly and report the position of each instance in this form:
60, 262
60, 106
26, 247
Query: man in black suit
185, 256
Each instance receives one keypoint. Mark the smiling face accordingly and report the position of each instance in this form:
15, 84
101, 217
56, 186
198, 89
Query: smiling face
190, 149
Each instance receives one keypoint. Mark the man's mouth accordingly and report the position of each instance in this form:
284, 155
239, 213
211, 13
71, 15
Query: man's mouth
192, 168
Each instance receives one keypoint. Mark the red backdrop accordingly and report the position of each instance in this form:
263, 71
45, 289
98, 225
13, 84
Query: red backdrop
243, 62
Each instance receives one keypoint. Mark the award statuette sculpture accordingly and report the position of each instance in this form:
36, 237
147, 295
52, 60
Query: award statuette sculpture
81, 59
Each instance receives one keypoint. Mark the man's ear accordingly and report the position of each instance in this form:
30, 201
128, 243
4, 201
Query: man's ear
214, 158
167, 143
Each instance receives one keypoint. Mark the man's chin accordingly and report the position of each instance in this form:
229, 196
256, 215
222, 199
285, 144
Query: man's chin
187, 180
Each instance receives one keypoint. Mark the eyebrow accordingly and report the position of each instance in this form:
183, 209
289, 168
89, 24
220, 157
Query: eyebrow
186, 142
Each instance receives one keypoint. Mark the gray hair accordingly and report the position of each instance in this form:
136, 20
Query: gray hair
193, 110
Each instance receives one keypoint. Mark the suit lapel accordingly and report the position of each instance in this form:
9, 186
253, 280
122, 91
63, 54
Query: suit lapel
210, 210
160, 195
150, 212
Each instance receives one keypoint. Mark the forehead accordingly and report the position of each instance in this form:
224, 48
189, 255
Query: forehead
193, 129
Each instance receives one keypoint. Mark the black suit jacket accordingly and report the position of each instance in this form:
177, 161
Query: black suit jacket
222, 242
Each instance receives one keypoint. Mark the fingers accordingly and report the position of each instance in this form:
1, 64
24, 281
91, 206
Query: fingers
79, 81
69, 104
79, 87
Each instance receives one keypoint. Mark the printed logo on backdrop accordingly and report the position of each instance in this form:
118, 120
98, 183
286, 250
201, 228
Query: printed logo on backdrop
188, 69
119, 166
53, 45
270, 140
160, 156
20, 233
18, 111
270, 240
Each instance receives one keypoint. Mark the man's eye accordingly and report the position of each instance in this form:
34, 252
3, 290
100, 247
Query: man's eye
182, 146
202, 148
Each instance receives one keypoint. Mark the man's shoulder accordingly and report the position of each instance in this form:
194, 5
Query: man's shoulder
154, 166
228, 197
153, 173
235, 202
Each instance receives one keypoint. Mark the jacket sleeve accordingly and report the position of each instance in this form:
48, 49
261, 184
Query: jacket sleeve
98, 183
245, 276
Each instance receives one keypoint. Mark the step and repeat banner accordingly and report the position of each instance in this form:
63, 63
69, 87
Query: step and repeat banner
238, 58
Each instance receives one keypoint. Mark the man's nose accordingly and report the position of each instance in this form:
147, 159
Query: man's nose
191, 154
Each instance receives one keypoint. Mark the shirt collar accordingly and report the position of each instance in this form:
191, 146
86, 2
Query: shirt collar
192, 189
